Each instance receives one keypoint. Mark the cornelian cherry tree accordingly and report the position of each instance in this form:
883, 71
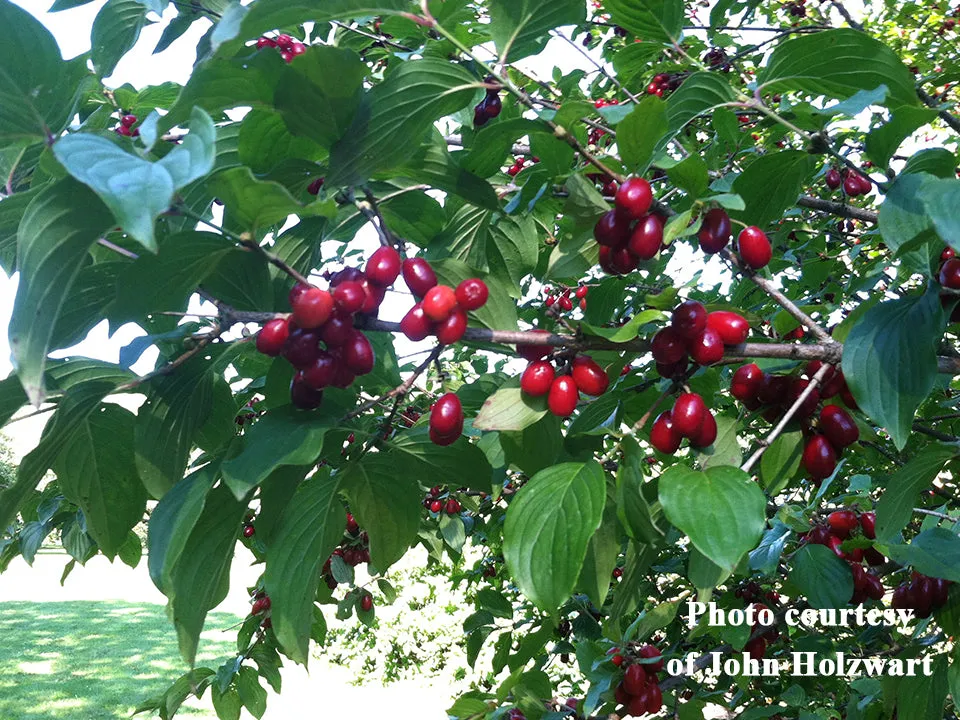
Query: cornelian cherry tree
674, 328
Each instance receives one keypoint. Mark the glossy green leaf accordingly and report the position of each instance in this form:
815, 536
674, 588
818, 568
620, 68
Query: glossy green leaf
253, 204
903, 489
781, 460
657, 20
639, 132
115, 31
521, 27
601, 557
461, 463
770, 185
882, 142
509, 409
824, 579
700, 93
940, 198
934, 553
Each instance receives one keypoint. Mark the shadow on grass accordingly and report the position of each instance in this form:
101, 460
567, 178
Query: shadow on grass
96, 660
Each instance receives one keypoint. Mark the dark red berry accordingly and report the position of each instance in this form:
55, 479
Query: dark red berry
358, 353
688, 413
706, 348
707, 433
337, 330
312, 308
668, 346
612, 230
663, 435
439, 302
819, 457
366, 603
249, 531
535, 352
446, 415
322, 372
302, 347
634, 679
949, 275
383, 267
647, 237
689, 319
746, 383
842, 522
349, 296
272, 336
732, 327
302, 395
868, 523
634, 198
452, 329
833, 179
839, 428
649, 652
715, 231
472, 294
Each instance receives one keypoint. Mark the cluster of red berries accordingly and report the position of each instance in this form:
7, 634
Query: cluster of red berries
639, 691
327, 317
659, 85
488, 108
922, 594
717, 59
837, 430
519, 163
353, 549
446, 419
126, 126
261, 604
628, 234
689, 418
853, 183
608, 186
837, 528
248, 414
796, 8
289, 47
442, 310
581, 374
698, 334
435, 503
949, 273
563, 301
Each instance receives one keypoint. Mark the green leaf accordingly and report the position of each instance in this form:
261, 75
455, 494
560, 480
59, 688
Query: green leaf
882, 142
520, 27
89, 302
700, 93
96, 471
940, 198
12, 210
385, 499
657, 20
512, 250
629, 330
601, 557
838, 63
548, 528
115, 31
821, 576
226, 704
460, 464
283, 436
903, 488
495, 603
922, 696
767, 555
690, 175
890, 360
903, 216
535, 447
398, 113
771, 184
639, 132
131, 551
251, 692
722, 510
639, 514
38, 90
781, 460
725, 450
935, 553
703, 572
194, 157
939, 162
453, 532
319, 94
435, 165
58, 228
265, 142
509, 409
253, 204
492, 144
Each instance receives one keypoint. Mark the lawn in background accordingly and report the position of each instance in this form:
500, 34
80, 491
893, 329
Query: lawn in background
96, 660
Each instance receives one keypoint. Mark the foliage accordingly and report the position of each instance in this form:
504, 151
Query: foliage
572, 539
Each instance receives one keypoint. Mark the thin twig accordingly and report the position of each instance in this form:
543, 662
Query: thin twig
400, 390
934, 513
379, 38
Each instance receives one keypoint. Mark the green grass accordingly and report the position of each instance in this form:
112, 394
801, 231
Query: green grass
96, 660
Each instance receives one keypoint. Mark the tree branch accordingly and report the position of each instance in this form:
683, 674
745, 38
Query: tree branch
839, 209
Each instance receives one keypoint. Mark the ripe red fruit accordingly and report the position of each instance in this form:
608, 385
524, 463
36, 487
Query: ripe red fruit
582, 291
537, 378
688, 414
621, 260
851, 185
706, 348
446, 416
322, 372
439, 302
535, 352
366, 603
819, 457
383, 267
415, 324
472, 294
565, 303
452, 329
337, 330
284, 42
634, 679
654, 699
756, 648
833, 179
842, 522
302, 395
589, 377
746, 384
436, 505
358, 353
612, 230
873, 587
419, 276
128, 120
838, 426
617, 660
648, 652
637, 704
707, 433
272, 336
249, 531
563, 396
349, 296
809, 405
647, 237
668, 346
374, 295
634, 198
947, 254
868, 523
732, 327
754, 247
663, 435
302, 347
949, 275
689, 319
452, 507
312, 308
714, 231
348, 274
774, 389
314, 187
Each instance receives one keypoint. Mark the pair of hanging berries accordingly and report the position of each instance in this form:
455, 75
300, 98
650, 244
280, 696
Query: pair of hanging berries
490, 107
289, 47
697, 334
853, 183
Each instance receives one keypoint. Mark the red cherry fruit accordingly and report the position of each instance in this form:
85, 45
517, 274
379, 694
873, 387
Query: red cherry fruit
707, 433
452, 507
374, 295
851, 185
336, 331
774, 389
249, 531
688, 414
472, 294
715, 231
754, 247
452, 329
535, 352
349, 296
833, 542
312, 308
634, 198
947, 254
649, 652
732, 327
637, 704
358, 353
589, 377
819, 457
873, 587
756, 648
302, 395
436, 505
813, 367
833, 179
634, 679
842, 522
668, 346
348, 274
622, 260
446, 415
835, 385
654, 699
383, 267
314, 187
565, 303
366, 603
809, 405
949, 275
838, 426
418, 275
689, 319
128, 120
663, 435
647, 237
612, 230
415, 325
868, 523
439, 302
322, 372
706, 348
302, 347
272, 336
537, 378
563, 396
865, 184
746, 384
671, 371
